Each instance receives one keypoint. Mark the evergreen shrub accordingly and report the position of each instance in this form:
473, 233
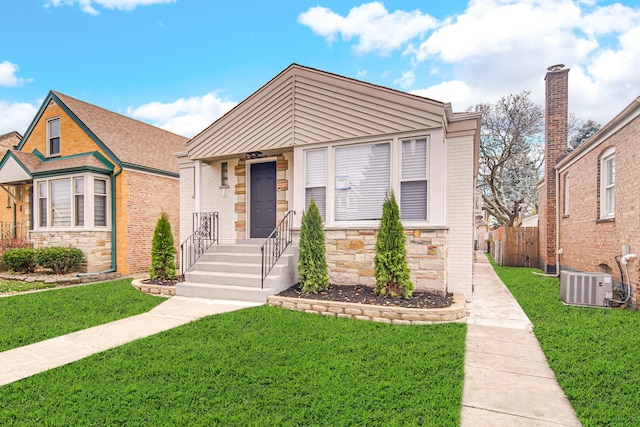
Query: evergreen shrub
391, 266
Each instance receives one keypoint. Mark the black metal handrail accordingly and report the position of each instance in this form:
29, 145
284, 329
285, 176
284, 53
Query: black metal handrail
277, 242
204, 236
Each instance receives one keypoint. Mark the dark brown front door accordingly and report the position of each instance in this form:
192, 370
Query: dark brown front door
263, 199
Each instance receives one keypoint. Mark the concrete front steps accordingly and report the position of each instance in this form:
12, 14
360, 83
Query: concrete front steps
233, 272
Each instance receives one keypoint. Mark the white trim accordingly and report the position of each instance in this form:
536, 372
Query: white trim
608, 154
48, 142
435, 177
198, 185
89, 193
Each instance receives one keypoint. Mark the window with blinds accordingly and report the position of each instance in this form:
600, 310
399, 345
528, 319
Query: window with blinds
413, 186
362, 178
100, 202
79, 201
61, 203
316, 180
66, 202
43, 203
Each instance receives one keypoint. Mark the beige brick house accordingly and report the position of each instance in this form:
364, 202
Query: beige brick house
589, 205
312, 134
90, 178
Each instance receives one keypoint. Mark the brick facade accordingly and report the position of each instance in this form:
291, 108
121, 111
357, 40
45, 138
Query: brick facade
556, 111
139, 209
589, 243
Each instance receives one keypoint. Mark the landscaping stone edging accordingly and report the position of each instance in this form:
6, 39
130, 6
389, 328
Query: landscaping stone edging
457, 312
158, 290
64, 279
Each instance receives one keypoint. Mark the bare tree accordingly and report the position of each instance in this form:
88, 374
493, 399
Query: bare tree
511, 156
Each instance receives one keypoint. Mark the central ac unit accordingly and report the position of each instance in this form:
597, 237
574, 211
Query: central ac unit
590, 289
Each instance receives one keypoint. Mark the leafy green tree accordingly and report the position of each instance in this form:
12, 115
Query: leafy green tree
163, 264
391, 266
312, 260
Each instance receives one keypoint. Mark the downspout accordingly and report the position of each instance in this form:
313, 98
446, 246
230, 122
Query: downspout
559, 250
113, 268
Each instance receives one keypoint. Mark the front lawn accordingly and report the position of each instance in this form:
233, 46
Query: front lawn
593, 351
30, 318
262, 366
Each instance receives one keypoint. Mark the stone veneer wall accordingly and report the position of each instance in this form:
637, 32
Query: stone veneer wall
96, 246
350, 254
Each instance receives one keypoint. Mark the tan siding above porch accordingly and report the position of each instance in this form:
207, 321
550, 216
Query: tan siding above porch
304, 106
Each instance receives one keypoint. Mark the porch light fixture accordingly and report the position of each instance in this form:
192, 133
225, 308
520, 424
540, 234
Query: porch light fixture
254, 155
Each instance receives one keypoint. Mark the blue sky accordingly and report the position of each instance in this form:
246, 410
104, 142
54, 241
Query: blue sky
180, 64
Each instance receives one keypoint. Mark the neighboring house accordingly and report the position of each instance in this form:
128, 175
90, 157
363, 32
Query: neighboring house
530, 221
96, 180
9, 228
309, 134
596, 194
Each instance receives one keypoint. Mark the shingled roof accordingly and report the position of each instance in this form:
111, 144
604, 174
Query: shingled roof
134, 143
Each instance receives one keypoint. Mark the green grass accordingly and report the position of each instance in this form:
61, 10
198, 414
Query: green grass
594, 352
9, 286
34, 317
261, 366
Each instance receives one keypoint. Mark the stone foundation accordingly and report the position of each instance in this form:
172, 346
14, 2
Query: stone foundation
96, 245
350, 255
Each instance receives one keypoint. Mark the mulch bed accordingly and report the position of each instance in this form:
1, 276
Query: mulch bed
160, 282
365, 295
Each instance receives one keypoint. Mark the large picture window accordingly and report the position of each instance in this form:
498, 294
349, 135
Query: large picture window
362, 178
349, 182
61, 202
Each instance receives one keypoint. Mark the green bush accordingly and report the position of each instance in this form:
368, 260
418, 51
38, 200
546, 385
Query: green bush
21, 260
163, 263
391, 266
312, 261
59, 260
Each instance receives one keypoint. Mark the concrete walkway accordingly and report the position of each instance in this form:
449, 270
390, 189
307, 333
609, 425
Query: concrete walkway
508, 381
31, 359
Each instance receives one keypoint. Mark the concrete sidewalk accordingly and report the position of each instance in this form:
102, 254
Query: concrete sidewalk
508, 381
29, 360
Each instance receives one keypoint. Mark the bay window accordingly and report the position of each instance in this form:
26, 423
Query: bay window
61, 202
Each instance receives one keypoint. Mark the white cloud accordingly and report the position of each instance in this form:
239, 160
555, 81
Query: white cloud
16, 116
87, 6
186, 116
8, 76
376, 28
407, 79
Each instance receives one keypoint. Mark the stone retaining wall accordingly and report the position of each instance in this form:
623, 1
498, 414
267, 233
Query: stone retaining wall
167, 291
376, 313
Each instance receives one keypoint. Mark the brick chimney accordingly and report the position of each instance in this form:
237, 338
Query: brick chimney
556, 112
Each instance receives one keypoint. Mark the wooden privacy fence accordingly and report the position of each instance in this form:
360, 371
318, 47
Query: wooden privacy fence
516, 247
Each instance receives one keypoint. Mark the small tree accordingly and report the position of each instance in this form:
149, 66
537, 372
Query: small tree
391, 266
163, 264
312, 261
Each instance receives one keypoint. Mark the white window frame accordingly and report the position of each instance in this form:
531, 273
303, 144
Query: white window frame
607, 160
50, 136
436, 177
89, 195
